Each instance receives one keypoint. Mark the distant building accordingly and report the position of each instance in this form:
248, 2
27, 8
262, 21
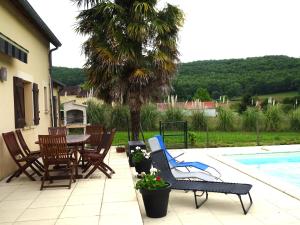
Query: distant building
70, 93
209, 108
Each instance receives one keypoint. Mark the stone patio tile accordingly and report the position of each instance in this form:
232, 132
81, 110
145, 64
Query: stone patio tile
46, 201
80, 211
92, 199
41, 214
91, 220
279, 217
122, 219
36, 222
22, 195
9, 215
117, 208
17, 204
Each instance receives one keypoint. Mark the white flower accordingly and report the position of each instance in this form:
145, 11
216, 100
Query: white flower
153, 170
131, 151
137, 147
143, 174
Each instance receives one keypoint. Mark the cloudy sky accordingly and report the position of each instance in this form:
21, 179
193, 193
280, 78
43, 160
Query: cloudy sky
213, 29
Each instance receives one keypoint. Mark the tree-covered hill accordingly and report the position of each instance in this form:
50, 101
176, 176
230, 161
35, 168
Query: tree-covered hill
69, 76
232, 77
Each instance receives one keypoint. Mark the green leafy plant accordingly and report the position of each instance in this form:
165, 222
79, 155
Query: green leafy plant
295, 119
138, 155
151, 181
225, 119
149, 117
198, 120
119, 115
274, 117
252, 118
192, 138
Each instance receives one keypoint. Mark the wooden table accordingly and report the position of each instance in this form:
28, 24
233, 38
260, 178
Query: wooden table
76, 140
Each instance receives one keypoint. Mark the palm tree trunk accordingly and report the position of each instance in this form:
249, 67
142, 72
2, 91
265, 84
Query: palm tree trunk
135, 124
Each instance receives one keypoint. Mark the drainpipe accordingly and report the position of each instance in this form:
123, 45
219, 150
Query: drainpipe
51, 85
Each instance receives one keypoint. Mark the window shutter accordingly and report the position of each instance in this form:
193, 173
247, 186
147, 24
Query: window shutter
19, 102
36, 110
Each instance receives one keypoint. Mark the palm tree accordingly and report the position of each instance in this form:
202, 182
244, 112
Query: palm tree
131, 50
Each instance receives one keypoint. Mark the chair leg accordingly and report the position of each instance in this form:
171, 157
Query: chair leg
108, 167
71, 175
87, 166
245, 210
198, 205
15, 174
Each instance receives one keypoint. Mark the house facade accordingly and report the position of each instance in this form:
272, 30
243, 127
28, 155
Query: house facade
25, 81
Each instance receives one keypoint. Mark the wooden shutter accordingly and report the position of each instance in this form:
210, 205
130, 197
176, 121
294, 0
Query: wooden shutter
19, 102
36, 110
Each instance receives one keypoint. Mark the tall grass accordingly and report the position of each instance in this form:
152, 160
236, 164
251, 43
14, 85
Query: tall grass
274, 118
225, 119
149, 117
174, 114
119, 115
295, 119
98, 113
198, 120
252, 118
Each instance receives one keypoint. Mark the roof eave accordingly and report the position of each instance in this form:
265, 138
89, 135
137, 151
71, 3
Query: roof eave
35, 18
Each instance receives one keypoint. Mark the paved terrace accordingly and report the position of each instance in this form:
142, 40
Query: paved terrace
114, 201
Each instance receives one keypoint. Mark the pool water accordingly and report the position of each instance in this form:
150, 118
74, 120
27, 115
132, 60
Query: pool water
282, 166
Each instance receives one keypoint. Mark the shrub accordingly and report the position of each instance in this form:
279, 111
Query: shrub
198, 120
149, 117
274, 118
174, 114
119, 116
252, 117
295, 120
225, 119
98, 113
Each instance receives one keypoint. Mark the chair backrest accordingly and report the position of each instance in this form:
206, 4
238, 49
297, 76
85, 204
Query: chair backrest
13, 146
53, 148
95, 132
157, 143
22, 141
106, 142
160, 162
57, 130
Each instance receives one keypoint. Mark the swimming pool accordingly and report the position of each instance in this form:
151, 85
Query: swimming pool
284, 166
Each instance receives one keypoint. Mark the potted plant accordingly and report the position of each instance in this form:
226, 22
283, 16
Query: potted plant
155, 192
120, 149
141, 160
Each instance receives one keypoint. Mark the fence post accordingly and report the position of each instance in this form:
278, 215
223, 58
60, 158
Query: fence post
257, 132
185, 135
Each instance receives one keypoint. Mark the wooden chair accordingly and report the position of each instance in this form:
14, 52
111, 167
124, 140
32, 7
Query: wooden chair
22, 161
27, 151
54, 151
95, 132
96, 158
57, 130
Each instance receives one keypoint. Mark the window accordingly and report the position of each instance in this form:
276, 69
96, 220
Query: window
26, 102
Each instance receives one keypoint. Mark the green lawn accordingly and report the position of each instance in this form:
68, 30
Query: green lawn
280, 96
223, 139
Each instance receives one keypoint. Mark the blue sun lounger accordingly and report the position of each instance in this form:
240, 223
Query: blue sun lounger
157, 143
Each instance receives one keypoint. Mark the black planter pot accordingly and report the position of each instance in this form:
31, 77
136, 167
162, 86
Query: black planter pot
143, 166
156, 202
